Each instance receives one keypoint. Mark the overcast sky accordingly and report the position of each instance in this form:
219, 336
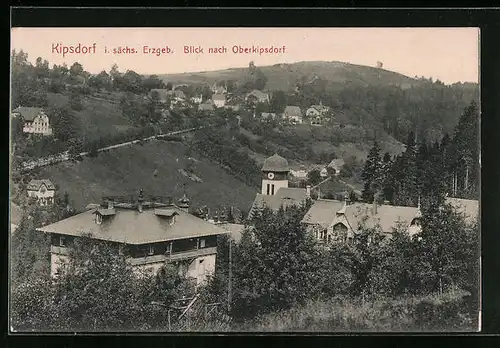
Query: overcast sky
448, 54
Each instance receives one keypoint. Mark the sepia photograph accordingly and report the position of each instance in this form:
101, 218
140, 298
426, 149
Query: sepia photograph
225, 180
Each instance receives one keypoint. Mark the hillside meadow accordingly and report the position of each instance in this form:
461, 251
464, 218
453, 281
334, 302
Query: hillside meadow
155, 167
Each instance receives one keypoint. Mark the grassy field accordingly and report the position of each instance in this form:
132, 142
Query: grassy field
126, 170
284, 76
435, 313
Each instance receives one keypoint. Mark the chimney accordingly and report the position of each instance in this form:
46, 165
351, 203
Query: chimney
140, 200
110, 203
308, 191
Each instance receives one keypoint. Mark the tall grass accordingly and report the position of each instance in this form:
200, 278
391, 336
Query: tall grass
446, 312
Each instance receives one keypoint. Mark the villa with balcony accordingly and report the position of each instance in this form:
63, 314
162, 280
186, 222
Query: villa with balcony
148, 231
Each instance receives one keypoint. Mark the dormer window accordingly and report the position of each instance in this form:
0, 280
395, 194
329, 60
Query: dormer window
202, 243
62, 241
151, 250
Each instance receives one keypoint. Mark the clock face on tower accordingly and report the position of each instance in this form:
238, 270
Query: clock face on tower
270, 176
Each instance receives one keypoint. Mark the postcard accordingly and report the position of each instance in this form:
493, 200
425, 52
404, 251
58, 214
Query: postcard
244, 180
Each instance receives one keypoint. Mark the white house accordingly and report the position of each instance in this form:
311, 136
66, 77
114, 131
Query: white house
323, 173
42, 190
35, 120
219, 100
197, 99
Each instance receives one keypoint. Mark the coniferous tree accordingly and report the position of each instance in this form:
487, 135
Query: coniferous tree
371, 174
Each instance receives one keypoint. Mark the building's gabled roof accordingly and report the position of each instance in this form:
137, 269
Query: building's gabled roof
258, 94
291, 110
218, 97
275, 163
285, 197
34, 185
387, 216
468, 207
324, 212
336, 163
28, 113
320, 108
133, 227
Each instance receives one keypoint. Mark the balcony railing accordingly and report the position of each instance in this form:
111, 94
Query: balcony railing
171, 257
59, 250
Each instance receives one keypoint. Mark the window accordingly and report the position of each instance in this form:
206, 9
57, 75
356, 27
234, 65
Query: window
268, 189
201, 261
98, 218
272, 189
62, 241
202, 243
151, 250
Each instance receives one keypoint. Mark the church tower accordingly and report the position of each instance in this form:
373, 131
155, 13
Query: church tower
274, 175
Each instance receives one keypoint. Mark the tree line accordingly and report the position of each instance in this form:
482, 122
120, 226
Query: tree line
427, 170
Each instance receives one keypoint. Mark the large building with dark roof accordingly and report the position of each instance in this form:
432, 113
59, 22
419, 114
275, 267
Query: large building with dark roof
275, 192
150, 232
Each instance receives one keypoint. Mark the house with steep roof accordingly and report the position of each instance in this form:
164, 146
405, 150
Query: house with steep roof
333, 221
149, 231
293, 114
336, 164
275, 192
35, 120
260, 96
43, 191
318, 114
219, 100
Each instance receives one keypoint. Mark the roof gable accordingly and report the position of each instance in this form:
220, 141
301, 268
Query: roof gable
34, 185
28, 113
292, 110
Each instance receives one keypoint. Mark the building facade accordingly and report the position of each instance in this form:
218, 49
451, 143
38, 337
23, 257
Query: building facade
43, 191
219, 100
150, 233
35, 120
333, 221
